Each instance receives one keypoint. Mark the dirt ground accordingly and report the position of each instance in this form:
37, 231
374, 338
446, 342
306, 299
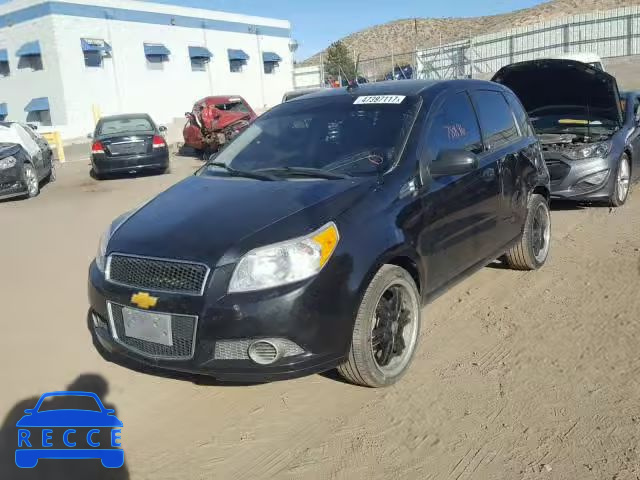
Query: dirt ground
517, 376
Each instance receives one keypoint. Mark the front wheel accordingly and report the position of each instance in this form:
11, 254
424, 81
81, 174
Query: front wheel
622, 183
532, 250
30, 179
386, 330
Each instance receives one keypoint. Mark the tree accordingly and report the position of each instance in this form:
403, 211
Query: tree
339, 61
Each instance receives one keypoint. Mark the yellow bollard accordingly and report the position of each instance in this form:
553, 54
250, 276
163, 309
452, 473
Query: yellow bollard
55, 142
96, 113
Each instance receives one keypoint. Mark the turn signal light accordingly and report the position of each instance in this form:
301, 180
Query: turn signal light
97, 147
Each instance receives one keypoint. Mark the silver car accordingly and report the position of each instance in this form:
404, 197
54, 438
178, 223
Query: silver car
589, 136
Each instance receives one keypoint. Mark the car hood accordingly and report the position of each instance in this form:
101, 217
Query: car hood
217, 219
7, 149
69, 418
553, 82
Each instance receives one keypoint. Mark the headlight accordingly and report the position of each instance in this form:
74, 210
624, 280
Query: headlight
285, 262
7, 162
101, 256
589, 151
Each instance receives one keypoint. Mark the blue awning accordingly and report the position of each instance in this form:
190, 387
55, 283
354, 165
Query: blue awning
4, 55
237, 55
3, 109
199, 52
153, 49
37, 105
95, 45
271, 57
29, 48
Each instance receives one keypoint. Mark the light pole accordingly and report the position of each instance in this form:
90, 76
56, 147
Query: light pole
293, 47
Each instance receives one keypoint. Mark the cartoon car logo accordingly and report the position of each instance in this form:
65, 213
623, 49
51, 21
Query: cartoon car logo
81, 431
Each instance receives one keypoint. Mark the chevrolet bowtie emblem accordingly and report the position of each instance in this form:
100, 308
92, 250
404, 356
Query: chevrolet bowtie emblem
144, 300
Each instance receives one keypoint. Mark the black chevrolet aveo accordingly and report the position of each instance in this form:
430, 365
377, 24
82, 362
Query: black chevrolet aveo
313, 240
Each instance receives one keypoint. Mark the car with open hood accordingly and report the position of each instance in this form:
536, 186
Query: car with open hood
586, 137
314, 238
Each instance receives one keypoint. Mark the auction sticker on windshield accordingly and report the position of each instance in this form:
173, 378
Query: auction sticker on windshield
368, 99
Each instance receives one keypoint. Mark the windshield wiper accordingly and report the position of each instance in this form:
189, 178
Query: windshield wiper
306, 172
242, 173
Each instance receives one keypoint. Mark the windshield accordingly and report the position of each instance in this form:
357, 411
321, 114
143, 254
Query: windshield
327, 133
124, 125
66, 402
571, 119
233, 107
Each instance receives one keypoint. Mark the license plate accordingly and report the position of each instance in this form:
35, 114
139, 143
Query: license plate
147, 326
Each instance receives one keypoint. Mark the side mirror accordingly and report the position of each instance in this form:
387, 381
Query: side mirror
187, 114
213, 156
454, 162
29, 411
109, 411
162, 128
89, 135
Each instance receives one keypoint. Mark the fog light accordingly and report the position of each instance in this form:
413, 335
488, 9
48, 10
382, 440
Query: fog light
593, 180
263, 352
97, 321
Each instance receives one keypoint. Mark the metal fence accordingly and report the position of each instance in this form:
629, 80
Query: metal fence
611, 33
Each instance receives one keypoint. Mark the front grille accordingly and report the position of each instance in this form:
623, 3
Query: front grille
157, 274
183, 328
128, 148
558, 170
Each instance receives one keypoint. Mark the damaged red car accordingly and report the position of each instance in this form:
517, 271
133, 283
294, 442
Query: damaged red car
214, 121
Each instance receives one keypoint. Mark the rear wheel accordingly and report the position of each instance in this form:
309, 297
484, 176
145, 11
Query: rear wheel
30, 179
386, 330
622, 183
531, 252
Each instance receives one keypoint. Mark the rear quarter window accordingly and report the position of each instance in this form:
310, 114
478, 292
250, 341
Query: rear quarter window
521, 115
496, 120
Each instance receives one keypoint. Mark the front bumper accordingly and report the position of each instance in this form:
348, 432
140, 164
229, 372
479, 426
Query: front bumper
11, 183
156, 160
570, 178
299, 314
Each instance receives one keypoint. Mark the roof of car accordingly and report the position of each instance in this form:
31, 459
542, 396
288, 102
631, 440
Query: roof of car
221, 99
401, 87
125, 116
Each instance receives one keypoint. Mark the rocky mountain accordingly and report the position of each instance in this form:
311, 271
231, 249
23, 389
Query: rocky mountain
403, 36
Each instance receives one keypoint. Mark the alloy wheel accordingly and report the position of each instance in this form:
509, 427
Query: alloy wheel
394, 332
31, 180
541, 232
622, 180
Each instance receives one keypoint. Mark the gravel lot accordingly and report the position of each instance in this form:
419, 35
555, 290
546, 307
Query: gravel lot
517, 376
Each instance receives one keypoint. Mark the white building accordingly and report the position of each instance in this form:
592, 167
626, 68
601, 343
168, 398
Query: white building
63, 62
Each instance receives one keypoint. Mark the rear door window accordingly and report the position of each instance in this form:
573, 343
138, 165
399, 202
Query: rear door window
496, 120
454, 127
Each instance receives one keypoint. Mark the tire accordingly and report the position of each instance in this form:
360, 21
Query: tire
532, 250
51, 176
95, 175
622, 182
363, 365
30, 179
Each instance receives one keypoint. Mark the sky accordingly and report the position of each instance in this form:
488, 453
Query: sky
317, 23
